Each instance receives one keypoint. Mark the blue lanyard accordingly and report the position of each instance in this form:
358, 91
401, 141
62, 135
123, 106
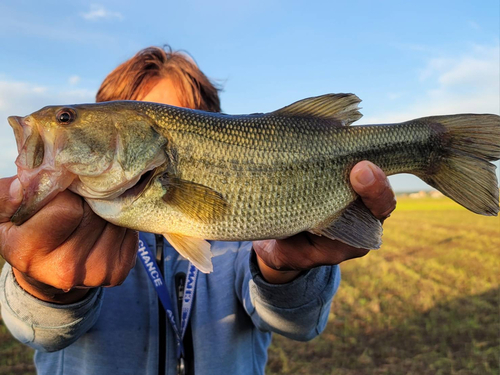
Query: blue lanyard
148, 260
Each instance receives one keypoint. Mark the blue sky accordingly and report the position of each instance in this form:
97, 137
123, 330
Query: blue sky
404, 59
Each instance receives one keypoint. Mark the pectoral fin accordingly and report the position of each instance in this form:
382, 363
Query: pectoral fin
194, 200
356, 226
196, 250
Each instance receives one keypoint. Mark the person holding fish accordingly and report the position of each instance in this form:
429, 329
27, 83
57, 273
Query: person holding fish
62, 255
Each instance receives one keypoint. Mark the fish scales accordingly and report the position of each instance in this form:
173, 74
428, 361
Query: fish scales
298, 186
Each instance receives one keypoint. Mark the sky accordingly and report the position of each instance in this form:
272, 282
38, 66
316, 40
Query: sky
403, 59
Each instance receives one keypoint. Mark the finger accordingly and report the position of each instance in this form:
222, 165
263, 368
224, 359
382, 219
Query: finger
130, 246
271, 254
103, 261
370, 182
293, 253
333, 251
84, 257
265, 249
47, 229
128, 255
11, 195
112, 257
88, 231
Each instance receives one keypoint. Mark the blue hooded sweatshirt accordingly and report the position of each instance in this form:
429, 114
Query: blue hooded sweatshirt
116, 330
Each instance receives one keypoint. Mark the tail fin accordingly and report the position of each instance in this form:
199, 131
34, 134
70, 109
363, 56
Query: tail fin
465, 173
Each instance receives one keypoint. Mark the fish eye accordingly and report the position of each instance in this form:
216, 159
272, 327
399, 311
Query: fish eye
65, 116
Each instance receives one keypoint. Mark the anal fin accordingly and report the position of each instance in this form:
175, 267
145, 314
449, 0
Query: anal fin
356, 226
196, 250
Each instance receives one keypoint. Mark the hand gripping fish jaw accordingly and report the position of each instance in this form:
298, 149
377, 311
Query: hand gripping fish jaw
40, 178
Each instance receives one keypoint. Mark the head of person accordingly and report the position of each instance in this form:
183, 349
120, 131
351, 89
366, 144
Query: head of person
163, 76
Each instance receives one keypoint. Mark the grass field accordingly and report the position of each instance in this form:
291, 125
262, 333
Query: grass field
427, 302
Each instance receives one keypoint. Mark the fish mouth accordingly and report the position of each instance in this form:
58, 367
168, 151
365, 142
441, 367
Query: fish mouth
18, 125
30, 145
39, 178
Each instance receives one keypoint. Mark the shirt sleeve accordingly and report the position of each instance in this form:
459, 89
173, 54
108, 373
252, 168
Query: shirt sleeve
298, 310
42, 325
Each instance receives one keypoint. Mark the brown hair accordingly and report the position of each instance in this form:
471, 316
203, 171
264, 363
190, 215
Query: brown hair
133, 79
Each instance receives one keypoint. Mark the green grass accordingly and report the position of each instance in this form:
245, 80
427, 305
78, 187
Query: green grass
427, 302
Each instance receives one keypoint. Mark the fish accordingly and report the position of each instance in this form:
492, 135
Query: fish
195, 176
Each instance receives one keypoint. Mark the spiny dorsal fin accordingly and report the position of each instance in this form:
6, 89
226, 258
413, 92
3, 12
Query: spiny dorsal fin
356, 226
194, 200
338, 107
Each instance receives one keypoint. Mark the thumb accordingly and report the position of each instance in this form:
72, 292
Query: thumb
370, 182
11, 195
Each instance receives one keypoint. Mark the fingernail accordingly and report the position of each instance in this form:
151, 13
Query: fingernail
16, 191
365, 177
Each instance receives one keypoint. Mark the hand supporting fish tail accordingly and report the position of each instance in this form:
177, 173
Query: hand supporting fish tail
281, 261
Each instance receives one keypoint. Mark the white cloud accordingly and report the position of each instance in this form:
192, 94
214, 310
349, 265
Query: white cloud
480, 71
469, 83
74, 80
434, 65
98, 12
22, 98
465, 83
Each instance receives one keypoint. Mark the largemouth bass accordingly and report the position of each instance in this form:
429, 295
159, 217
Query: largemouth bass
195, 176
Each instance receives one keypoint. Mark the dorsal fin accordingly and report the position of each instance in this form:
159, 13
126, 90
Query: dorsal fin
337, 107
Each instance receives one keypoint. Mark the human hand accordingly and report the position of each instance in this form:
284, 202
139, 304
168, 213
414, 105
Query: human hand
281, 261
65, 248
